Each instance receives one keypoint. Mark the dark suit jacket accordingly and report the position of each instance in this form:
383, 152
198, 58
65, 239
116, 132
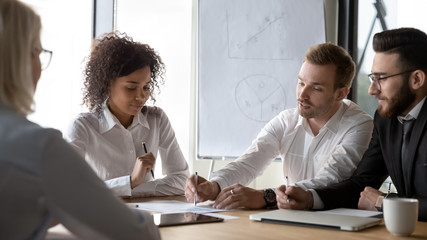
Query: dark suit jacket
382, 158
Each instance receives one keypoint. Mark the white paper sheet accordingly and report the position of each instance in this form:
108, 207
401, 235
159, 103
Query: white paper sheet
59, 232
173, 206
225, 217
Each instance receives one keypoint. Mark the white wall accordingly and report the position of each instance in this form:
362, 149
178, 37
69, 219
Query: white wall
165, 25
58, 96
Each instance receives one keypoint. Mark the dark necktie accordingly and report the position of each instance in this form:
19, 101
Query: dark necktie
406, 136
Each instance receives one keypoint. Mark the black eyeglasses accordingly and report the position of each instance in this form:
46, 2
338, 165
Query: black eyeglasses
45, 58
376, 80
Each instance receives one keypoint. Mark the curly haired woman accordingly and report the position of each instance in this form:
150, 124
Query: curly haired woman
120, 77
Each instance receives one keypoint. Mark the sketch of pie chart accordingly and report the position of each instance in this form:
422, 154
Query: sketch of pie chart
260, 97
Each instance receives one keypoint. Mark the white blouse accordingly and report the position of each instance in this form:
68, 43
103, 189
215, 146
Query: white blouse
43, 178
112, 150
308, 161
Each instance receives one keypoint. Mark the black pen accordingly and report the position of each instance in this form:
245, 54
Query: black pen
145, 150
389, 188
287, 185
196, 179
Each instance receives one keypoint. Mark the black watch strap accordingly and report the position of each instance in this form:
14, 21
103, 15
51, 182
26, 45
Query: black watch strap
270, 198
379, 203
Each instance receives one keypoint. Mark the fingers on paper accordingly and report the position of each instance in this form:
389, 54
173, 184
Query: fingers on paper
228, 198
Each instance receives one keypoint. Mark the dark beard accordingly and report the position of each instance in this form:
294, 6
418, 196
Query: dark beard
399, 103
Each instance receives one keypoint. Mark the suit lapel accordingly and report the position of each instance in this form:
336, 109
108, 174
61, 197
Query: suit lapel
413, 145
396, 144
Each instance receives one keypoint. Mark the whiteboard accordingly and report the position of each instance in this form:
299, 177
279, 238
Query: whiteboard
249, 56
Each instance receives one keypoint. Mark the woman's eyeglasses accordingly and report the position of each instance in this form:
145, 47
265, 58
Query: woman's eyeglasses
45, 58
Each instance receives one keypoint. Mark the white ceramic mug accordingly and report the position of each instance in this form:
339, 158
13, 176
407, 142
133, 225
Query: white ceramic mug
400, 215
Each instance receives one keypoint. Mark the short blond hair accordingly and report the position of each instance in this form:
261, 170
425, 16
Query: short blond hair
19, 30
328, 53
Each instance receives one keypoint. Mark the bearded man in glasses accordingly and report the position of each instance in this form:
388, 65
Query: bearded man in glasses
399, 138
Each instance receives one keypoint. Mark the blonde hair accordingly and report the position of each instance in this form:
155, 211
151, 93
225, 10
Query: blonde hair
328, 53
19, 30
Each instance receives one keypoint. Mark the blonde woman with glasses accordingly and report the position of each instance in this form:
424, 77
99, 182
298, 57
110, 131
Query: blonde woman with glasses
36, 164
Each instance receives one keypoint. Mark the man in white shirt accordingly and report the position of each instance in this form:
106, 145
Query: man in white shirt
320, 142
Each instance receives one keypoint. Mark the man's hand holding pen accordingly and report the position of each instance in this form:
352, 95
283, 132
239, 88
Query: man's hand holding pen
293, 197
206, 190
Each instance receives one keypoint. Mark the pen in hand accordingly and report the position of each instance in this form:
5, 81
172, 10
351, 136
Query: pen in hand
287, 185
145, 150
196, 178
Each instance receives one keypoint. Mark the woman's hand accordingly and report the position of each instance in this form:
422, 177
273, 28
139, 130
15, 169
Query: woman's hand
143, 165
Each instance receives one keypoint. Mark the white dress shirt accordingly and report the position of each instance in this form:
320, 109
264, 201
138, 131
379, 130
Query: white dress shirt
413, 114
308, 161
43, 178
112, 150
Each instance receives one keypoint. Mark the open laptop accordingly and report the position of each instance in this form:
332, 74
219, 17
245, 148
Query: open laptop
316, 219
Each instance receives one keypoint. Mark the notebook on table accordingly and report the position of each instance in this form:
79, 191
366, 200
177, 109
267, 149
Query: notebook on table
316, 219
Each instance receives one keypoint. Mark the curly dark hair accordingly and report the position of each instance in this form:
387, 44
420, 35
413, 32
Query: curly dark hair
116, 55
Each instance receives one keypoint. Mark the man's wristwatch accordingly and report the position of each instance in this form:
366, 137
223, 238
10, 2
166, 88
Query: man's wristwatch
379, 203
270, 198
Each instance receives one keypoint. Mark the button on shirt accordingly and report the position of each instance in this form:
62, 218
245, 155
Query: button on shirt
309, 161
112, 150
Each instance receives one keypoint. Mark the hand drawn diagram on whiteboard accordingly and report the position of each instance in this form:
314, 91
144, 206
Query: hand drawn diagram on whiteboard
260, 97
249, 55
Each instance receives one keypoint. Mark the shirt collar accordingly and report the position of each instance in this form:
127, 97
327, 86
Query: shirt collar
331, 124
413, 114
141, 118
304, 123
107, 120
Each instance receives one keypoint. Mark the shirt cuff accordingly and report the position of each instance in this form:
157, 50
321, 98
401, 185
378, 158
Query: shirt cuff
317, 201
147, 189
120, 186
221, 182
